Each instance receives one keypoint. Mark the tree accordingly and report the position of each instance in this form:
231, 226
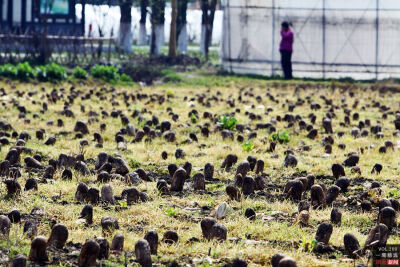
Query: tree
172, 37
143, 17
208, 7
181, 27
125, 36
157, 26
45, 50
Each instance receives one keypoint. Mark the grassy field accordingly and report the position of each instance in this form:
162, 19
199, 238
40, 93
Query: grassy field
275, 229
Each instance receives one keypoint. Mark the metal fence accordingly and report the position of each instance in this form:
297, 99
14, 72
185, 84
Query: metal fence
333, 38
62, 49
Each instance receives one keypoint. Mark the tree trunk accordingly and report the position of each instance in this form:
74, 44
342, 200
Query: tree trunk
157, 26
207, 24
181, 27
210, 26
125, 36
172, 36
45, 49
183, 40
204, 22
143, 17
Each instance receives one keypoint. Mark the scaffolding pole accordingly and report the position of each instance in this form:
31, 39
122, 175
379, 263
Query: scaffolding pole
229, 36
273, 39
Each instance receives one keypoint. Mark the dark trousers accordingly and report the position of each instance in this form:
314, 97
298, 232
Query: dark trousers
286, 61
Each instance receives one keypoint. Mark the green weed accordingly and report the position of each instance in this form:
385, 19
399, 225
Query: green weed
281, 137
248, 146
227, 122
171, 212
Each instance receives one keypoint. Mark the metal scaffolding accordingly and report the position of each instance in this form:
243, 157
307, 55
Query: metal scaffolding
333, 38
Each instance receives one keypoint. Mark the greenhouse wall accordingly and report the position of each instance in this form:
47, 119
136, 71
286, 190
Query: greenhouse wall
333, 38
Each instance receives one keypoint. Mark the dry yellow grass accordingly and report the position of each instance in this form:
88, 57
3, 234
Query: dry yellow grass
256, 241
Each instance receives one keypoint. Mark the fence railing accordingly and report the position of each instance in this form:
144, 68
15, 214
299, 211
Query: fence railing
61, 49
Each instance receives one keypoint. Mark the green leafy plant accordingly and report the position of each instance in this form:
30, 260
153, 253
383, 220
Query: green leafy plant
227, 122
393, 193
51, 72
14, 247
282, 137
248, 146
41, 73
171, 212
25, 71
123, 204
107, 73
125, 78
307, 245
56, 72
80, 73
193, 118
9, 71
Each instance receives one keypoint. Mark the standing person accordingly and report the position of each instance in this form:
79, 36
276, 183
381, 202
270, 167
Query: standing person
286, 49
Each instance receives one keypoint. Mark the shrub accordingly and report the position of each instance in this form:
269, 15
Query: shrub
51, 72
80, 73
41, 73
9, 71
125, 78
56, 72
25, 71
171, 76
146, 73
108, 73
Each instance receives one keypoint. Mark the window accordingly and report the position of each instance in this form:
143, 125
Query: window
54, 7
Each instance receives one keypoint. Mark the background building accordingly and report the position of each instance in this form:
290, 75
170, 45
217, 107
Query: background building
333, 38
56, 16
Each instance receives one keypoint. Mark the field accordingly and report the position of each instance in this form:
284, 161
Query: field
243, 117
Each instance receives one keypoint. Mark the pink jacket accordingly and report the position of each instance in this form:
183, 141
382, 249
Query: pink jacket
287, 41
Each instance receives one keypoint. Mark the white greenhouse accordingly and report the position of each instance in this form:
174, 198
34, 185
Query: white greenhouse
333, 38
